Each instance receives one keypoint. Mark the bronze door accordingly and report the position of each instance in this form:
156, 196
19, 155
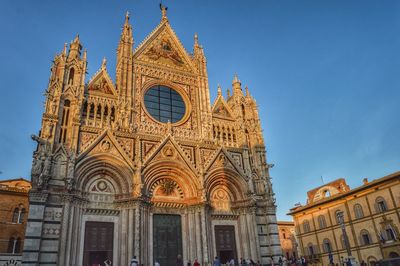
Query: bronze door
98, 243
225, 242
167, 238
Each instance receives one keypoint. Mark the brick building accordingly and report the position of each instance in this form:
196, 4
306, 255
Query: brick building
14, 206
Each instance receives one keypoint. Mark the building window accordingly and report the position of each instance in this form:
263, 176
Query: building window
321, 222
14, 245
15, 215
310, 248
390, 234
339, 216
164, 104
358, 211
306, 226
365, 237
71, 76
18, 215
380, 204
64, 122
327, 247
21, 216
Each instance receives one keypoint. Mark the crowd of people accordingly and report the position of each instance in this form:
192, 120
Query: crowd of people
233, 262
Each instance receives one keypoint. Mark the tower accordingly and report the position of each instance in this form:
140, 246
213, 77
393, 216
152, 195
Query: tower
147, 163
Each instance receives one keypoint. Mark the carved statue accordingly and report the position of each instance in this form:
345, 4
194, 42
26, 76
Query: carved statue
36, 165
43, 145
71, 166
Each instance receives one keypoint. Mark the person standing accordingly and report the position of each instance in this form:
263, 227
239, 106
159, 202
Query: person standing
179, 261
196, 263
134, 261
217, 262
156, 263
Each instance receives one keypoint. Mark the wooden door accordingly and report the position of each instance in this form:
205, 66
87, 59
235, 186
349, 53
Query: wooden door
225, 242
98, 243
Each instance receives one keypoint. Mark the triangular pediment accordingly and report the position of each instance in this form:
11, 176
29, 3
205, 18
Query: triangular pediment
106, 143
169, 149
162, 47
101, 84
222, 159
221, 109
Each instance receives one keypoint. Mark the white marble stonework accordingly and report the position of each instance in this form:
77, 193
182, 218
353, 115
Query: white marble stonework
147, 141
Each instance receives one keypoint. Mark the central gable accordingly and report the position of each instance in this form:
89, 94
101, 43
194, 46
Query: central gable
163, 48
101, 84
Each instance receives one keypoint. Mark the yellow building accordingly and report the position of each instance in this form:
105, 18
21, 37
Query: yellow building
371, 221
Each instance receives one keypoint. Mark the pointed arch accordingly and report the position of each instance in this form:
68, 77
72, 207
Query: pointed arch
228, 178
117, 171
186, 182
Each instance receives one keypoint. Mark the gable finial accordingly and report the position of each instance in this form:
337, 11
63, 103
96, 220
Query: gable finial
196, 39
104, 63
127, 16
163, 11
219, 90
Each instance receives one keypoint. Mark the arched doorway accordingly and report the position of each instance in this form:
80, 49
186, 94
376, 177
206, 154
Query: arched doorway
393, 255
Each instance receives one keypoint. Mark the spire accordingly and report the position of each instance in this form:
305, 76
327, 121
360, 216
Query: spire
196, 40
126, 34
237, 86
235, 79
84, 55
163, 12
75, 48
247, 91
228, 93
219, 90
64, 52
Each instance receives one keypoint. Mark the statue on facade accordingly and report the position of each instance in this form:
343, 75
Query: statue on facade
70, 179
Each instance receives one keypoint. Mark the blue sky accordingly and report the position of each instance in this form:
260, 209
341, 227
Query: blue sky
326, 75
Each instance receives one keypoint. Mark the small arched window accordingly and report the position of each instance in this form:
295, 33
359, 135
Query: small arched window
365, 237
339, 216
21, 216
310, 250
17, 247
15, 215
327, 247
321, 222
11, 243
380, 204
243, 111
71, 76
64, 122
306, 226
390, 234
358, 211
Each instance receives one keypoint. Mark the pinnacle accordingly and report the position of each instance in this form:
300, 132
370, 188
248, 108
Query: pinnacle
235, 79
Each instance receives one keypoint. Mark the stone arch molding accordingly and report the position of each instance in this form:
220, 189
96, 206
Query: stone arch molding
228, 180
104, 173
165, 174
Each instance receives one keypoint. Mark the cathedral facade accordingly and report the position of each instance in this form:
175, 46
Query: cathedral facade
147, 166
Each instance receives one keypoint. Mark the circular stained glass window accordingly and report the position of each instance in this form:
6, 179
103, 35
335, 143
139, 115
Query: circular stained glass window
164, 104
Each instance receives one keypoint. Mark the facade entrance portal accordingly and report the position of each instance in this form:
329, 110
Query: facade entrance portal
98, 243
167, 238
225, 242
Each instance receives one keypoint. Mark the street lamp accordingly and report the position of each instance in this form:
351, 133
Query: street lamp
350, 260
